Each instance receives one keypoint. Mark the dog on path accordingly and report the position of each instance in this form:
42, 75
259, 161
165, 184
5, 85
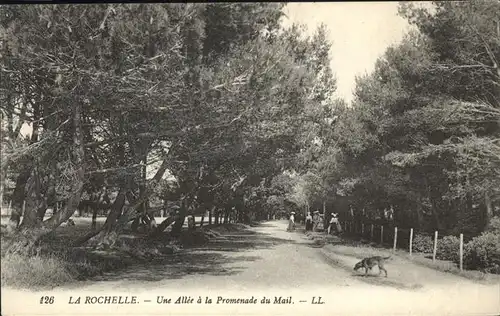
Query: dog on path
370, 262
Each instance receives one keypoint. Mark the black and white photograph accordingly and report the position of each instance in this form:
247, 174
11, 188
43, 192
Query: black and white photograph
250, 158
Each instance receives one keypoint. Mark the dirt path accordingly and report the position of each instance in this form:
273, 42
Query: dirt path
402, 272
268, 261
263, 257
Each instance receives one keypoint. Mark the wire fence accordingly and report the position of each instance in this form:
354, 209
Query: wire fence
395, 237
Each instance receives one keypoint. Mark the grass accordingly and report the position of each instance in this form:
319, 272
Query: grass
358, 249
450, 267
333, 258
52, 266
34, 272
56, 263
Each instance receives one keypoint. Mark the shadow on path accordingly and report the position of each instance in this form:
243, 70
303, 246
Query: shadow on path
218, 257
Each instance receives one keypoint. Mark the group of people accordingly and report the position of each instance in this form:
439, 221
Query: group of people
312, 222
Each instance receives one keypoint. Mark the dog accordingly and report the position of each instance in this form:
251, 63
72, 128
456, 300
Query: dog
369, 263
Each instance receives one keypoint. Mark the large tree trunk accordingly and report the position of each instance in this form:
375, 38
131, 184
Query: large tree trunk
179, 222
118, 218
94, 218
32, 188
226, 215
18, 199
98, 199
35, 204
105, 237
28, 236
110, 221
181, 217
110, 237
202, 220
164, 224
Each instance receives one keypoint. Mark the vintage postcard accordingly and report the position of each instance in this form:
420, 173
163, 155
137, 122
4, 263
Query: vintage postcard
336, 158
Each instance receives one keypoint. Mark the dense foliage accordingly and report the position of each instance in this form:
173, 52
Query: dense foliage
233, 114
423, 133
217, 96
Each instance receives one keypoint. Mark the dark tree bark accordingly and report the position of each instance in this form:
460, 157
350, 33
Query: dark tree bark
18, 199
226, 215
110, 237
25, 238
94, 218
181, 217
202, 220
163, 225
100, 237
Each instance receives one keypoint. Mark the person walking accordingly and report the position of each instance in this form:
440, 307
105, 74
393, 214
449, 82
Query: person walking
309, 221
334, 222
291, 222
337, 224
316, 220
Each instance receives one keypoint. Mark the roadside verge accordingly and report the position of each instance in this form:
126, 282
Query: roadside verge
347, 263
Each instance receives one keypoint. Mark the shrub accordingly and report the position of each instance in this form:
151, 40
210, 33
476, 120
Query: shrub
22, 271
193, 238
494, 225
448, 248
422, 243
483, 253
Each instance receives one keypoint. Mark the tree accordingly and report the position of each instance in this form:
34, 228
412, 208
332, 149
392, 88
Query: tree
148, 85
423, 133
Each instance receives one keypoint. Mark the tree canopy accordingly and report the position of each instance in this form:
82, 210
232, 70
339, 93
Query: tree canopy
422, 134
241, 113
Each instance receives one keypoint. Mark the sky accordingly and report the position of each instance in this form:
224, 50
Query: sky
359, 32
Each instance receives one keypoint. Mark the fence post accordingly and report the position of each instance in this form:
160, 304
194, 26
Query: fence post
395, 238
461, 252
435, 246
362, 229
411, 240
381, 234
371, 233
